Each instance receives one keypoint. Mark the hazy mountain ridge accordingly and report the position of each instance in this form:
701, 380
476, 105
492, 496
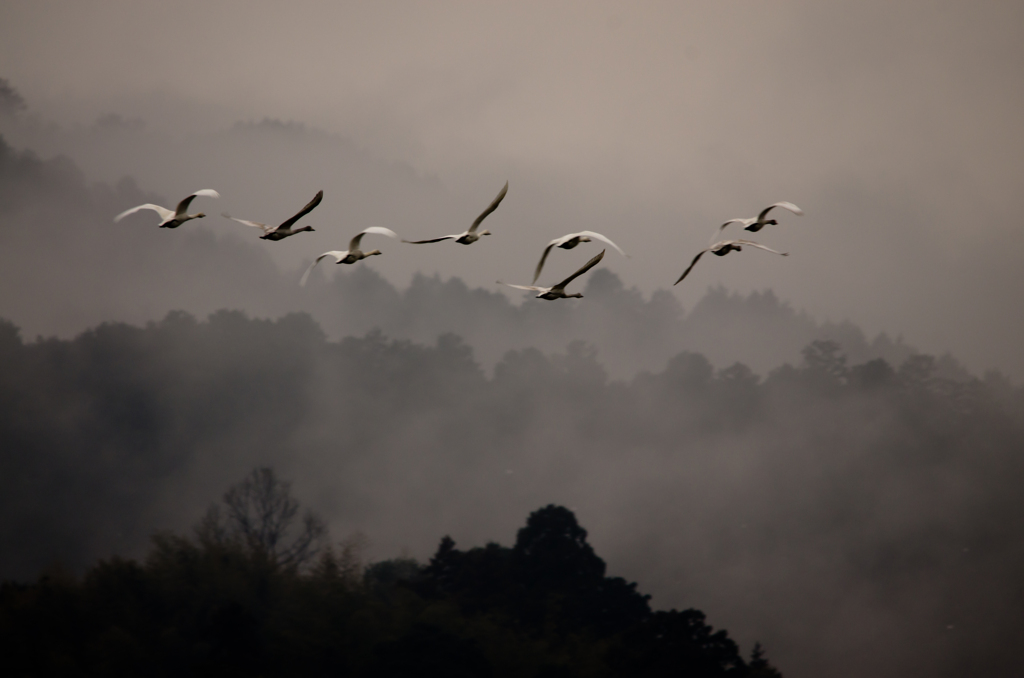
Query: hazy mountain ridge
59, 241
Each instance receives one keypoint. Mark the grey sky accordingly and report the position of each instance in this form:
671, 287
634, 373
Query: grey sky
895, 126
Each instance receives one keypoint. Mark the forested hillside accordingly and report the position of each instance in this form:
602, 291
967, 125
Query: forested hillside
218, 603
823, 494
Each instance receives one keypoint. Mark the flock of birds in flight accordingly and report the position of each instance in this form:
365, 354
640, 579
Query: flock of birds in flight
177, 217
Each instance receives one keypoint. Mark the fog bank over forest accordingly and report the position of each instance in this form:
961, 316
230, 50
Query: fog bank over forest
73, 269
869, 511
860, 255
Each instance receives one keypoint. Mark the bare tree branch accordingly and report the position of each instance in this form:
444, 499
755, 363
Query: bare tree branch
260, 515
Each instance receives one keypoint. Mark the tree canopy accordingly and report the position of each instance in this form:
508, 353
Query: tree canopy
202, 607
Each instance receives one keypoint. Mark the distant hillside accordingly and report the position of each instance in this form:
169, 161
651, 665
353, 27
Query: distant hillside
59, 242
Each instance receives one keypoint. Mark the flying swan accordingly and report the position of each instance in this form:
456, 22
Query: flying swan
353, 254
567, 242
755, 224
281, 232
724, 247
558, 291
470, 236
177, 217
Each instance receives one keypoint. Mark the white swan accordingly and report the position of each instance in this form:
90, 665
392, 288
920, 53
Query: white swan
724, 247
281, 232
177, 217
353, 254
567, 242
755, 224
471, 236
558, 291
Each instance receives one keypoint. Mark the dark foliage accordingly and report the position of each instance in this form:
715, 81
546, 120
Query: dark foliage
203, 608
550, 582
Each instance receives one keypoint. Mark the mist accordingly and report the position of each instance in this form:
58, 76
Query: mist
896, 131
826, 508
819, 451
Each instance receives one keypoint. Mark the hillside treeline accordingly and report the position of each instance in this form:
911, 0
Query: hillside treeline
207, 606
835, 492
73, 265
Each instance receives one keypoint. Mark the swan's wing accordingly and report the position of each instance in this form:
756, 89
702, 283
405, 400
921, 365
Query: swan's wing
543, 258
591, 234
493, 206
304, 211
692, 264
583, 269
424, 242
338, 256
565, 238
751, 243
164, 213
785, 205
183, 205
379, 230
529, 288
253, 224
745, 222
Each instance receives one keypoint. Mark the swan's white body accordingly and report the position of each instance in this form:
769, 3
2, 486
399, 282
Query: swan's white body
567, 242
179, 216
285, 229
558, 291
755, 224
471, 236
724, 247
353, 253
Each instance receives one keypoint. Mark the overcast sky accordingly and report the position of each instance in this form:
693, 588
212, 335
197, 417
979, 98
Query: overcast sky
896, 126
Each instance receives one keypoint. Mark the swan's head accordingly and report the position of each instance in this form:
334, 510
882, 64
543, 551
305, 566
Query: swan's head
771, 222
199, 215
373, 252
485, 232
574, 296
305, 228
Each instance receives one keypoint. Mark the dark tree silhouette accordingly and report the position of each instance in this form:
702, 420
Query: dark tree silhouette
11, 102
260, 515
823, 358
669, 641
196, 607
552, 552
